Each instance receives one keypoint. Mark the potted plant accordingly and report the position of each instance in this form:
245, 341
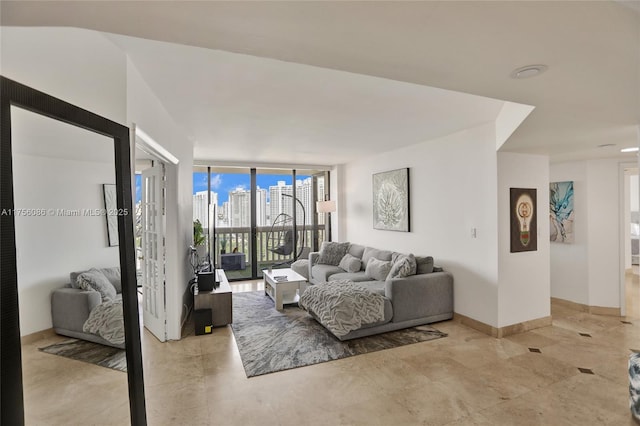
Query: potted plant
199, 239
223, 246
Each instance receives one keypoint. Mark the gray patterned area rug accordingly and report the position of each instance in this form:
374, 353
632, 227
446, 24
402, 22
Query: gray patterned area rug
271, 341
93, 353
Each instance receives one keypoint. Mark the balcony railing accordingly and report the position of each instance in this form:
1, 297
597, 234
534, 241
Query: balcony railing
240, 237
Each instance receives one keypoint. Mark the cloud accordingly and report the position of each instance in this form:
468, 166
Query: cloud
216, 181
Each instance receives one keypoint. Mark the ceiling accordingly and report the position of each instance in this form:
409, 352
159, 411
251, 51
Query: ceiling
323, 82
242, 107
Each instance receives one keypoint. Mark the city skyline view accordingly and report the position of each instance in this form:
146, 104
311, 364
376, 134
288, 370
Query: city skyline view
270, 202
224, 183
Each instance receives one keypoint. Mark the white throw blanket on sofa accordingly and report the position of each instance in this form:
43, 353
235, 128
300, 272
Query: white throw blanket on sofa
343, 306
106, 321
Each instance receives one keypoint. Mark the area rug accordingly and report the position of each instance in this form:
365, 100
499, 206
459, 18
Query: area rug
271, 341
93, 353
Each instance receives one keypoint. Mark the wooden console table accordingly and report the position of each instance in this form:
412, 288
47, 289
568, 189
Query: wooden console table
218, 300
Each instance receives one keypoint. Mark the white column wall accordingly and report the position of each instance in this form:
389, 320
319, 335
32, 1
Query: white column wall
523, 278
589, 270
604, 205
453, 183
569, 268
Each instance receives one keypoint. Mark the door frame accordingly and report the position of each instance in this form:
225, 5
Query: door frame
624, 231
13, 93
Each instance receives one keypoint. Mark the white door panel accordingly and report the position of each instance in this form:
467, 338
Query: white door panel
153, 226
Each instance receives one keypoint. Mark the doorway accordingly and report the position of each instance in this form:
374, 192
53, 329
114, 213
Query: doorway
150, 231
631, 289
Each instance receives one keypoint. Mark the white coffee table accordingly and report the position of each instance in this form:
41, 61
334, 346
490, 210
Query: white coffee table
285, 291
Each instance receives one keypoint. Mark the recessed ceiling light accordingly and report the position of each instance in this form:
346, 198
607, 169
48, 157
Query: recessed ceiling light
632, 149
528, 71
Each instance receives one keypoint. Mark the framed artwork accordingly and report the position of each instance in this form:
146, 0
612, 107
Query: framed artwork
391, 200
111, 208
561, 212
524, 229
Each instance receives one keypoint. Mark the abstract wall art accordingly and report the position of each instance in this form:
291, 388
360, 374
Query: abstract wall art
524, 228
391, 200
561, 212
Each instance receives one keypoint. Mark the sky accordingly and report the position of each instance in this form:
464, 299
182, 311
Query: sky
223, 183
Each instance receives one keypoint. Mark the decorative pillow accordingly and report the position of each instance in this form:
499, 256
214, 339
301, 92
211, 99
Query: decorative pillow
73, 278
356, 250
114, 277
350, 263
374, 253
95, 280
403, 266
332, 253
425, 265
378, 269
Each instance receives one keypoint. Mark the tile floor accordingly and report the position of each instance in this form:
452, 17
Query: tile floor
467, 378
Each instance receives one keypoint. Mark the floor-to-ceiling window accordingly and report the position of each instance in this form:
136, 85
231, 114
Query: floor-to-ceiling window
256, 218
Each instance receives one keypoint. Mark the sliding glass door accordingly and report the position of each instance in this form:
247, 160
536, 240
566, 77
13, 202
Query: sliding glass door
275, 233
256, 218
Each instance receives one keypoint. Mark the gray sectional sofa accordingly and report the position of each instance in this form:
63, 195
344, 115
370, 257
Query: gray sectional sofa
424, 295
71, 305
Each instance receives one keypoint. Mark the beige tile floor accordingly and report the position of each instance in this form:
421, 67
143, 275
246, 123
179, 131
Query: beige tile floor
467, 378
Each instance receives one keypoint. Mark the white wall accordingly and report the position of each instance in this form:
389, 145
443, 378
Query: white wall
604, 215
588, 271
144, 109
51, 245
83, 68
569, 268
453, 183
523, 278
86, 69
78, 66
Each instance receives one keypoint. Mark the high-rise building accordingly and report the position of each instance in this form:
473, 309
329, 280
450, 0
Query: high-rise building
201, 206
304, 193
320, 191
240, 208
223, 215
278, 201
282, 202
261, 207
237, 211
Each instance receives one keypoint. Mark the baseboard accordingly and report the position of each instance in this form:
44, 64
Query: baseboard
596, 310
38, 335
523, 327
501, 332
475, 324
